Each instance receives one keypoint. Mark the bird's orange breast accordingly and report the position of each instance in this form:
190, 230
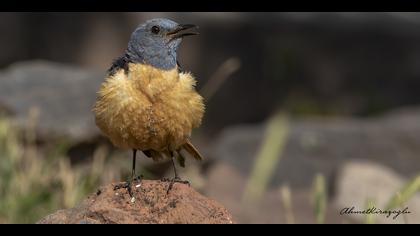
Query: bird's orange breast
148, 108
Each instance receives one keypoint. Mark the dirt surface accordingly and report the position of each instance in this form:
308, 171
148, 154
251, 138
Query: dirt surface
152, 204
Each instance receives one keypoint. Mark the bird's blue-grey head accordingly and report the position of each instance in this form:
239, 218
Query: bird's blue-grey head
156, 42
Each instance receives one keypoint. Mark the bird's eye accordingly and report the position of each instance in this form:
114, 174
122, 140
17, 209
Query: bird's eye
155, 29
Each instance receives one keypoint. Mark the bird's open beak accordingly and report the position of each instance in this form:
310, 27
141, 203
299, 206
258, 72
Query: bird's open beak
183, 30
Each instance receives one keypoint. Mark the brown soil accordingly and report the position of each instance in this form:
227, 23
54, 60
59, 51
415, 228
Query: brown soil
152, 204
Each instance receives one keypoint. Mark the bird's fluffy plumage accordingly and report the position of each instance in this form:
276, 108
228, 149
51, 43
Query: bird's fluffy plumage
146, 108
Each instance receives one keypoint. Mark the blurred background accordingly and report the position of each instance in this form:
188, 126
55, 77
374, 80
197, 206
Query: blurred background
306, 113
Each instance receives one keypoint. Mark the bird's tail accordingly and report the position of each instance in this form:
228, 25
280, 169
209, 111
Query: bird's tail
189, 147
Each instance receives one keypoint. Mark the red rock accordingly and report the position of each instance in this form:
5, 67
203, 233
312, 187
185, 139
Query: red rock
152, 204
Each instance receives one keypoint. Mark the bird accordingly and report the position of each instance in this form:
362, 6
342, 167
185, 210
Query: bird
146, 102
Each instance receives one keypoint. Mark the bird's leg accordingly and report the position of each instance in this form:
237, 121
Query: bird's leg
176, 178
128, 184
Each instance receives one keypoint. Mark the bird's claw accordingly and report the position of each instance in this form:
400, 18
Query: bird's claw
127, 185
173, 181
138, 178
122, 185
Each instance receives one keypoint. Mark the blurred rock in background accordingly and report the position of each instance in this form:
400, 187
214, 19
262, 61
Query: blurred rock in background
63, 96
360, 181
323, 144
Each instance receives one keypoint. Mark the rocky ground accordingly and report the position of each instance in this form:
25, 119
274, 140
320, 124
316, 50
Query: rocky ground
151, 203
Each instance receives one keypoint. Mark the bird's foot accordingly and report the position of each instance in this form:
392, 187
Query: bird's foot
173, 181
127, 185
138, 179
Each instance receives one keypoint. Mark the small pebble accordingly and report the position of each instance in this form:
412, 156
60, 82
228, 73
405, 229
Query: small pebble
138, 185
133, 200
116, 194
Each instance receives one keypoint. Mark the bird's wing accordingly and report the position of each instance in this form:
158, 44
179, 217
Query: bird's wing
119, 63
189, 147
179, 66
